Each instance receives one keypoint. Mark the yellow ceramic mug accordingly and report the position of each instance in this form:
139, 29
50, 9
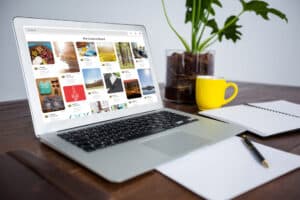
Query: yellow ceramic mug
210, 92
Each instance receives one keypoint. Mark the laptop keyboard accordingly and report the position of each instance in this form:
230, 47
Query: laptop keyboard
101, 136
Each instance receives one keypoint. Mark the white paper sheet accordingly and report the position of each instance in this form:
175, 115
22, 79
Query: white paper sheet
228, 169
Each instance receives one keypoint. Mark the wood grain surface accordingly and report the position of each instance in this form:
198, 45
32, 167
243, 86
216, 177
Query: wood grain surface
16, 133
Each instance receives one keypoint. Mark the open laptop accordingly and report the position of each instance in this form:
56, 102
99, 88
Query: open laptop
94, 97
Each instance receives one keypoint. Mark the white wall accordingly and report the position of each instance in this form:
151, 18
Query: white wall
267, 53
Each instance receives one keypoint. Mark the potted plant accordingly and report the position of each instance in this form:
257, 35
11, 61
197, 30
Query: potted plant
183, 66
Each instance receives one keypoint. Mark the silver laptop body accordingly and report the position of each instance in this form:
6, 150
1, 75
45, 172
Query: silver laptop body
81, 74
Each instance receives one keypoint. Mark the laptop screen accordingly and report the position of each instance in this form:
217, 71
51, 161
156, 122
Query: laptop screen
84, 72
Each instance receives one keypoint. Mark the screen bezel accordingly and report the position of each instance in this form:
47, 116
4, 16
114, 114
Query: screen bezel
40, 126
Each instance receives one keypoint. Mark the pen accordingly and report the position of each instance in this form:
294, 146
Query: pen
255, 152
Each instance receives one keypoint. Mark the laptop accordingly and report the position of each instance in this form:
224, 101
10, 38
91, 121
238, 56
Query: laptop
94, 97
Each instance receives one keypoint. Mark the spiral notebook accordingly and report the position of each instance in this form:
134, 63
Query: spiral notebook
264, 119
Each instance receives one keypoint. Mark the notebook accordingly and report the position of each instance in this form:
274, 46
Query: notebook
93, 97
212, 175
264, 119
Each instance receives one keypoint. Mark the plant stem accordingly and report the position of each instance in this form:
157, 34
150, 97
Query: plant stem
202, 31
211, 43
187, 48
193, 26
199, 14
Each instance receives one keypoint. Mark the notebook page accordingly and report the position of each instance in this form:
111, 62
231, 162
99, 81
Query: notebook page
212, 175
281, 106
259, 121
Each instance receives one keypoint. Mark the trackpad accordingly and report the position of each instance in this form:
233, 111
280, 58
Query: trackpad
176, 143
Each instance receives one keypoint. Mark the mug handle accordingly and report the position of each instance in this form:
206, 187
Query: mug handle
234, 94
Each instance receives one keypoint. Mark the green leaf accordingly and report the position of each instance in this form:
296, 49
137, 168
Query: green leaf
213, 25
188, 13
217, 2
262, 9
231, 32
210, 8
278, 13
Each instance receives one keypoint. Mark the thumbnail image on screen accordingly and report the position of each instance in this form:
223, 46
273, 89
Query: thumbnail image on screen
41, 53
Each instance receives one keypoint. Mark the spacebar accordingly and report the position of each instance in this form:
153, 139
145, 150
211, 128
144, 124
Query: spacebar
145, 133
155, 130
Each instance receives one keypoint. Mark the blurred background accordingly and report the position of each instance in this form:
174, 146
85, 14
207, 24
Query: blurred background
268, 52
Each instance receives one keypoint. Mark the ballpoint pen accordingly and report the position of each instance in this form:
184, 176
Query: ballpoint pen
255, 152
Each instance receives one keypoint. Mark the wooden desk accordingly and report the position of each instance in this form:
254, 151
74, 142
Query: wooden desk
16, 132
